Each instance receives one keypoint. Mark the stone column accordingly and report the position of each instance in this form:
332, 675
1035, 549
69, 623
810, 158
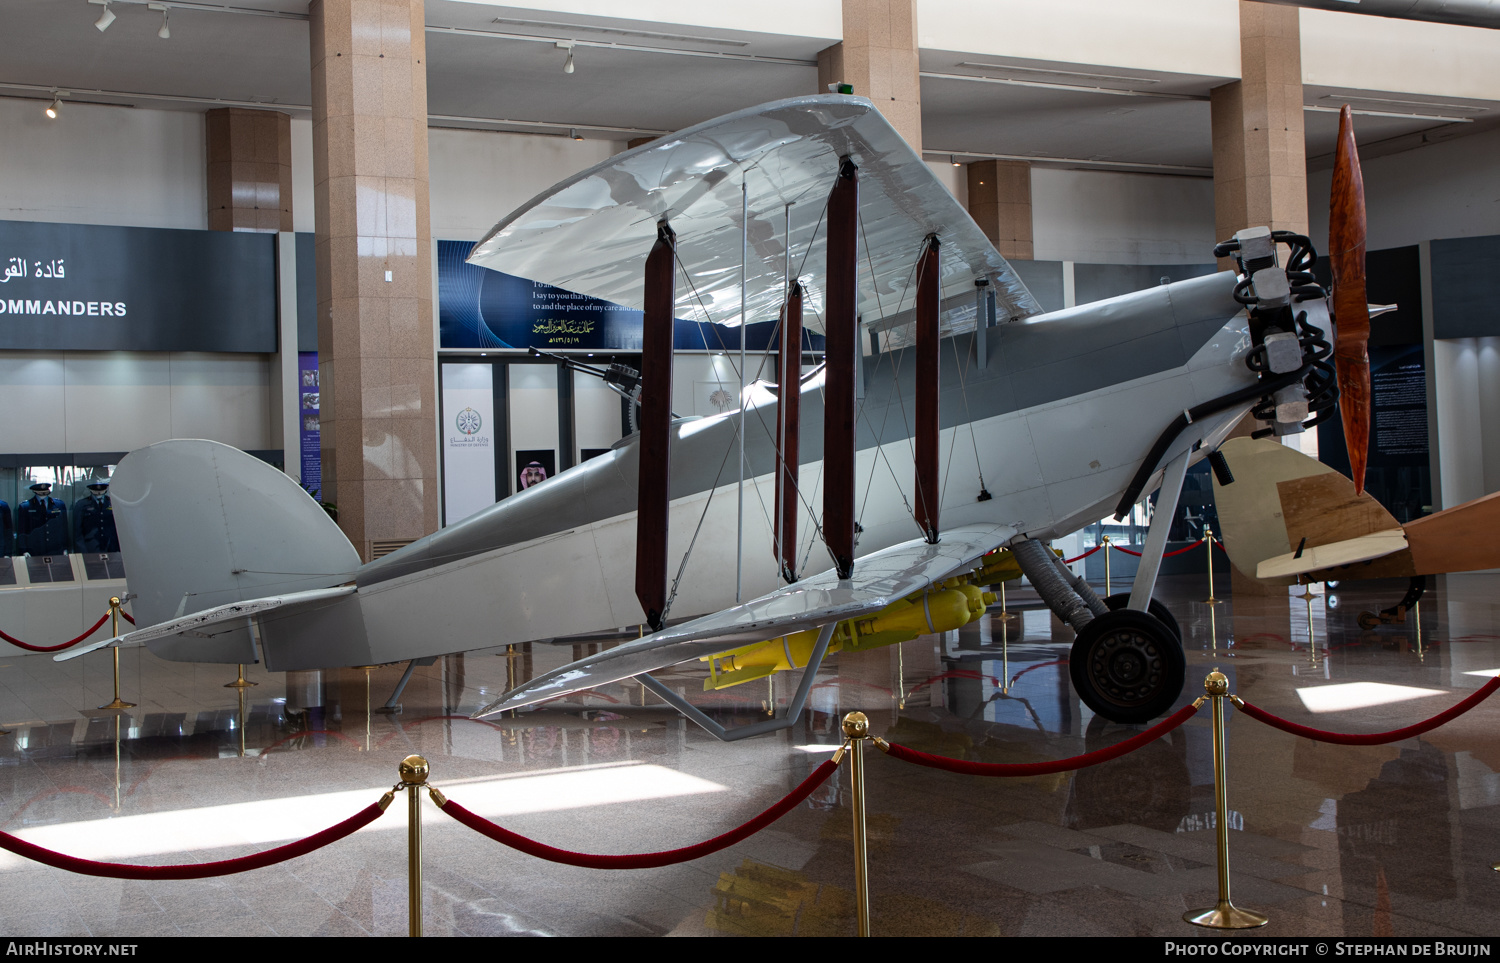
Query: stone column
1000, 203
375, 337
878, 57
249, 170
1260, 161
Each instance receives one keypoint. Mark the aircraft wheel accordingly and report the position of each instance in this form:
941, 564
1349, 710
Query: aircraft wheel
1164, 615
1127, 666
1368, 621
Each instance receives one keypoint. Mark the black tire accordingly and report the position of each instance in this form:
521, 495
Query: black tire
1127, 666
1164, 615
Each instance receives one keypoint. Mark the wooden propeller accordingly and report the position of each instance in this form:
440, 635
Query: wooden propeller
1351, 308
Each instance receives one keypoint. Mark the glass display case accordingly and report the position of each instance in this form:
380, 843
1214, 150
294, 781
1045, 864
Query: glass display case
51, 511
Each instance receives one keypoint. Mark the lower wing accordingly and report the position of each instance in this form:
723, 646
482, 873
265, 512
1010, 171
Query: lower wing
879, 579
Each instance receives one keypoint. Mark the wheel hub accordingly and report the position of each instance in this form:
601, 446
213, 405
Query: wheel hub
1126, 666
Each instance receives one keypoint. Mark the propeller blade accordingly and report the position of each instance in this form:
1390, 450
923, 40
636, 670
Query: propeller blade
1351, 310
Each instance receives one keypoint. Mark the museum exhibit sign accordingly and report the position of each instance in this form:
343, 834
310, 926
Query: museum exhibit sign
89, 287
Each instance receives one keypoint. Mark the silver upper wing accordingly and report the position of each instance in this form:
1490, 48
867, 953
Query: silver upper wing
591, 233
879, 580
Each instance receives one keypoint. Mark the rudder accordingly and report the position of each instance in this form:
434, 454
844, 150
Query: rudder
202, 524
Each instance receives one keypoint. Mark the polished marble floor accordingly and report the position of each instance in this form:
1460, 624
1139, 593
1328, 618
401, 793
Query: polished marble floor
1325, 840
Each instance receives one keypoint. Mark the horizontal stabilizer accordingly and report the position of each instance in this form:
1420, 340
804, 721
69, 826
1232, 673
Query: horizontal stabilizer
879, 580
223, 618
1347, 552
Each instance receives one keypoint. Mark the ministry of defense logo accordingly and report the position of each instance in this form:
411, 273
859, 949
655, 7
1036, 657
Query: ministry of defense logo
468, 421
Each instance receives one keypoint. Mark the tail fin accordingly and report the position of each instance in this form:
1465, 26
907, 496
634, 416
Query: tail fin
1281, 503
202, 524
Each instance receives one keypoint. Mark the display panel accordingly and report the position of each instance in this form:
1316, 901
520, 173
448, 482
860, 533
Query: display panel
468, 440
87, 287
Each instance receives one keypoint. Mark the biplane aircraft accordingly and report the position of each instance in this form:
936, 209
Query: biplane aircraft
884, 490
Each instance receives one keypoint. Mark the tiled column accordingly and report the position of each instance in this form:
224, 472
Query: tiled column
375, 335
878, 57
249, 170
1000, 203
1260, 162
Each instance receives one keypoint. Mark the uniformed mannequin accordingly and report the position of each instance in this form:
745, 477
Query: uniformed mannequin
94, 521
42, 523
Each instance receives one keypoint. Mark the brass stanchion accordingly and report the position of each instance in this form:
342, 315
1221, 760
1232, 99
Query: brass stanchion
1107, 588
1416, 611
857, 730
114, 628
900, 677
1005, 614
1224, 915
240, 682
413, 770
1312, 639
1208, 541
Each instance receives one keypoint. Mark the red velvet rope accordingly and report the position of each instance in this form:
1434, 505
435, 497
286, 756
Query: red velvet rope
126, 616
1079, 558
1374, 738
223, 867
1045, 768
1179, 551
642, 860
62, 645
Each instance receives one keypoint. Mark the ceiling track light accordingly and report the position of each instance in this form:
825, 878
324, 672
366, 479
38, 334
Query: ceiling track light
165, 32
953, 159
106, 18
573, 133
568, 63
54, 107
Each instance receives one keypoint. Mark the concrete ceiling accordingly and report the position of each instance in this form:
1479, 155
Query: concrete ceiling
500, 68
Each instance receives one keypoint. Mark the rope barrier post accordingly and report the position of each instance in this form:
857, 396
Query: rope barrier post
240, 681
1108, 591
413, 771
1225, 915
857, 730
1005, 614
114, 628
1208, 540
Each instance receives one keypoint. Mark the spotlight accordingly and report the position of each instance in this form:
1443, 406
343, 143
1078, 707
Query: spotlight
106, 18
55, 106
568, 63
954, 161
573, 133
165, 32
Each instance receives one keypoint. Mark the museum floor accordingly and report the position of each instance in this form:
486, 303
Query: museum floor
1326, 840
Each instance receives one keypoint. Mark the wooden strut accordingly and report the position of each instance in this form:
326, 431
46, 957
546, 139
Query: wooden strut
656, 421
929, 298
788, 422
841, 342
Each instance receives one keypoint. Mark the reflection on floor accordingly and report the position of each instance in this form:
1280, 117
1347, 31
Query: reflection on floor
1326, 840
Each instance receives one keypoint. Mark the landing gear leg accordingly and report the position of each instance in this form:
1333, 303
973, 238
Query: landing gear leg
1396, 614
1127, 666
